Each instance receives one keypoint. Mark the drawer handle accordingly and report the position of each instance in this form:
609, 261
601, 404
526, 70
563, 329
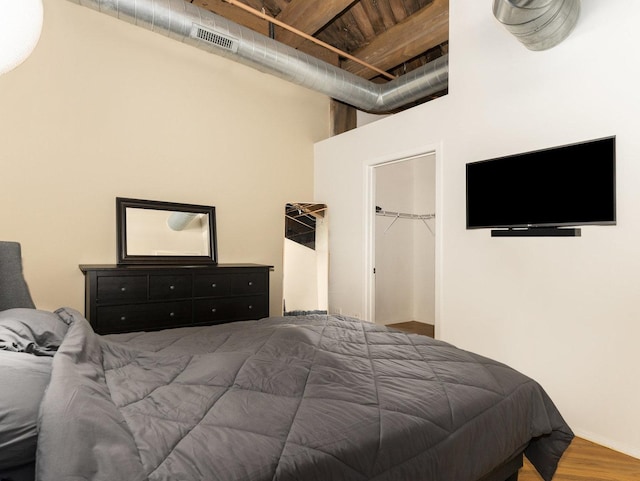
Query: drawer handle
214, 310
123, 318
172, 314
172, 287
250, 307
214, 285
250, 283
123, 289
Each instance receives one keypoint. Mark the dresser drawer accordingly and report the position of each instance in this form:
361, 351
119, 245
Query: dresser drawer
138, 317
115, 288
169, 287
230, 309
213, 285
246, 284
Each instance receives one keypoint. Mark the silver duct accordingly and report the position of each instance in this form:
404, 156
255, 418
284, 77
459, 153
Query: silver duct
180, 220
205, 30
538, 24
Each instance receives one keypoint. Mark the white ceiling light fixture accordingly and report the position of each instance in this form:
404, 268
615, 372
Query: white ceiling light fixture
20, 27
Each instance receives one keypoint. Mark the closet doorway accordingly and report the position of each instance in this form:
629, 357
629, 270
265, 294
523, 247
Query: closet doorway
404, 240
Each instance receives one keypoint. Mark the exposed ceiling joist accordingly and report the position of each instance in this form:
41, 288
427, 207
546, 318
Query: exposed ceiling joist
418, 33
276, 21
394, 37
387, 34
310, 17
241, 17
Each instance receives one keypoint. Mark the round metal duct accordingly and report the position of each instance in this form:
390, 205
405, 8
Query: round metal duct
538, 24
188, 23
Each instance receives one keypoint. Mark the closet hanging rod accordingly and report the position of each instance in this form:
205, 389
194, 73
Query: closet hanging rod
402, 215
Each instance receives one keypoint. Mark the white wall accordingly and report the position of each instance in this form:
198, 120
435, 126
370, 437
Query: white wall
322, 260
424, 196
300, 277
563, 310
394, 244
103, 109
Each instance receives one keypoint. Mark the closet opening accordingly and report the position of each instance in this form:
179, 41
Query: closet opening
402, 242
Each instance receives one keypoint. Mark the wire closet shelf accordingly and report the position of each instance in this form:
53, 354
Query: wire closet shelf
402, 215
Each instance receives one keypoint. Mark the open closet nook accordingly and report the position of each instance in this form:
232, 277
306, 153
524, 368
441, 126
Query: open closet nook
404, 272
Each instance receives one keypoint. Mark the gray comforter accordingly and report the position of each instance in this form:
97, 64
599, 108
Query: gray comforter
314, 398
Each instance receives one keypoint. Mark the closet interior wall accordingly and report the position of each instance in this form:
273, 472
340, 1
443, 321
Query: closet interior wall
405, 241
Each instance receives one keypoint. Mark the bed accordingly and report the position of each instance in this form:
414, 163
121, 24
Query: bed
311, 398
288, 398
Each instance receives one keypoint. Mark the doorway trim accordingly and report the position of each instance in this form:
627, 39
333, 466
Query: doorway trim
369, 205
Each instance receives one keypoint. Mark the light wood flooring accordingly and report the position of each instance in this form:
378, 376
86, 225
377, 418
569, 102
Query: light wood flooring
415, 327
587, 461
583, 460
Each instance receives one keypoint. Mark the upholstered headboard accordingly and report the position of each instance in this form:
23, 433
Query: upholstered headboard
14, 291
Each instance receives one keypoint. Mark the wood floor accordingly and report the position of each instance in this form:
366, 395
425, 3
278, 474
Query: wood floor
583, 460
415, 327
587, 461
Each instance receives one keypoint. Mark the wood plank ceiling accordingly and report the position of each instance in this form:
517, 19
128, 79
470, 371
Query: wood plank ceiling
395, 36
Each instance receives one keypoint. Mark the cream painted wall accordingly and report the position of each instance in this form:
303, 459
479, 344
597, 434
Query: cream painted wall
562, 310
104, 109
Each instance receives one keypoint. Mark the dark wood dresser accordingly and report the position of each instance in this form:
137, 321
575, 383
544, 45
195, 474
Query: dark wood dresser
148, 297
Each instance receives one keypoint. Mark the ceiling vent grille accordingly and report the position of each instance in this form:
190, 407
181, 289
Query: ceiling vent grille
214, 38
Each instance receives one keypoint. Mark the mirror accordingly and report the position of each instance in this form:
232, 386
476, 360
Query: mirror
306, 259
151, 232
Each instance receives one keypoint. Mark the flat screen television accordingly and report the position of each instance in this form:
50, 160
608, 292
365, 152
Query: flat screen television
570, 185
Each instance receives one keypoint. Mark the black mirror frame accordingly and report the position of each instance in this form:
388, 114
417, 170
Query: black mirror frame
121, 233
